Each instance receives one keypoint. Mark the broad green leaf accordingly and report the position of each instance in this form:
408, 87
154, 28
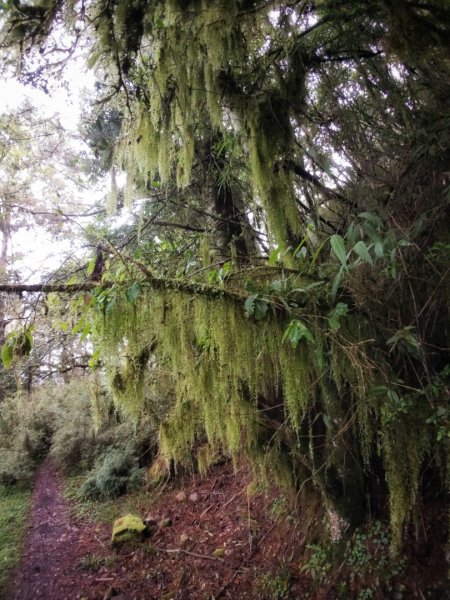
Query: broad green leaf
133, 292
350, 234
249, 305
362, 251
379, 249
256, 307
90, 268
212, 276
86, 332
261, 308
301, 250
24, 342
371, 232
277, 285
226, 268
93, 361
338, 246
337, 282
296, 331
79, 326
274, 256
371, 218
7, 355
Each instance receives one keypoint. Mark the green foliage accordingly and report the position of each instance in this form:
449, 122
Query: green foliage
94, 562
297, 331
15, 468
103, 510
84, 426
405, 341
368, 558
440, 419
18, 344
336, 314
14, 506
338, 247
256, 307
88, 426
363, 563
276, 585
115, 473
318, 565
26, 430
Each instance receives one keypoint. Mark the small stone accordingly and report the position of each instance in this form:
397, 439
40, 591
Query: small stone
166, 522
194, 497
150, 521
183, 539
180, 497
219, 552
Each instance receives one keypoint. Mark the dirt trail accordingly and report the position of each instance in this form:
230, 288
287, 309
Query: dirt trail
53, 545
216, 542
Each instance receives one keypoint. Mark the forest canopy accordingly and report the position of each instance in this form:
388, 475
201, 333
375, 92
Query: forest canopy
283, 280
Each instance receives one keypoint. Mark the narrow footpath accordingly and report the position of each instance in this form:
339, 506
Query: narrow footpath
53, 546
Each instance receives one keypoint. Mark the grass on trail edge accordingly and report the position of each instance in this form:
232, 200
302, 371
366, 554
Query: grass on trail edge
14, 507
104, 510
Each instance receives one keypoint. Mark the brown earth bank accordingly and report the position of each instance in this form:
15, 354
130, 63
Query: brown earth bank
211, 538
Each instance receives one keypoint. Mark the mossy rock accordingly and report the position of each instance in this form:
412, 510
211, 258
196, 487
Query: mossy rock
129, 528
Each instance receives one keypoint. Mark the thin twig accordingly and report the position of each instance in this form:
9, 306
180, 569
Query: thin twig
183, 551
229, 501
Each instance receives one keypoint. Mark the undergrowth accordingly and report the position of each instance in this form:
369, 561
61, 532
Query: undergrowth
14, 506
358, 566
103, 510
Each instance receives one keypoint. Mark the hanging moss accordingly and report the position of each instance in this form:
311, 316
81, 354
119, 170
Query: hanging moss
226, 368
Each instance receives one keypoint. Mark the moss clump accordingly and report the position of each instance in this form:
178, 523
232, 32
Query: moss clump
129, 528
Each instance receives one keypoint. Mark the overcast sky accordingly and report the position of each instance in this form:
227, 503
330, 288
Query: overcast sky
41, 253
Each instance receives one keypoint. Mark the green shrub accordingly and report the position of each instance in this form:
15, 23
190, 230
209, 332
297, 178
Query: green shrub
26, 429
114, 474
15, 468
81, 430
85, 431
39, 429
